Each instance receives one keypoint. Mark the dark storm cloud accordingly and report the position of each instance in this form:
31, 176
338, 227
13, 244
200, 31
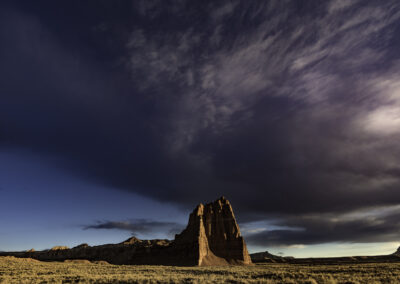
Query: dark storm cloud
285, 107
138, 226
315, 229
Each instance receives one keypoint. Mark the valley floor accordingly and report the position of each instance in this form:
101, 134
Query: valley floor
15, 270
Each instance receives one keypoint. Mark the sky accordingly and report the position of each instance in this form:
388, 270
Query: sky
118, 117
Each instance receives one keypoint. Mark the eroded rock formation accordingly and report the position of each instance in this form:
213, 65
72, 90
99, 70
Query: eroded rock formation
212, 237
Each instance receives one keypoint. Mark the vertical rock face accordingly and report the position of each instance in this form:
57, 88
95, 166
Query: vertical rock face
213, 236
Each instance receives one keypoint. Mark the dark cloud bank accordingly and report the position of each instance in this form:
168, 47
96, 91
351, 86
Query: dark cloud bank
325, 229
288, 108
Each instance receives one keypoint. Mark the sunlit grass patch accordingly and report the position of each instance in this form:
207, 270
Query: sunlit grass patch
14, 270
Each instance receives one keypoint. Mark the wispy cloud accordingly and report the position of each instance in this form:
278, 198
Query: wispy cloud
138, 226
309, 61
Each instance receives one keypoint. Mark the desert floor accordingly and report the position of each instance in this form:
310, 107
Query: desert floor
14, 270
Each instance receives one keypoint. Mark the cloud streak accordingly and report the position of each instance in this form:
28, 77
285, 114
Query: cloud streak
137, 226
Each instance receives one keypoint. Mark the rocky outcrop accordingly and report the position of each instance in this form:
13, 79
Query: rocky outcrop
212, 237
397, 252
59, 248
267, 257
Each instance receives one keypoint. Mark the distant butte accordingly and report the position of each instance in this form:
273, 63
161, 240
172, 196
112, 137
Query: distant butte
212, 237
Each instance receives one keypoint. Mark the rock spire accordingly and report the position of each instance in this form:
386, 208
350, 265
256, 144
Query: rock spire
214, 236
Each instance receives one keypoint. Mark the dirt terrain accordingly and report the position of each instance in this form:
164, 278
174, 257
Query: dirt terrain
20, 270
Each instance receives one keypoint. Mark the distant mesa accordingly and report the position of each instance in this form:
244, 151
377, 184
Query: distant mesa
269, 257
59, 248
212, 237
81, 246
266, 257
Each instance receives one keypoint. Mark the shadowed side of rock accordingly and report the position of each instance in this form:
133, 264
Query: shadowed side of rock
223, 233
192, 243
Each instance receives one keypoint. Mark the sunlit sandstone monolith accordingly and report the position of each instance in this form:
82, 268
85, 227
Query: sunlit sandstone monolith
212, 236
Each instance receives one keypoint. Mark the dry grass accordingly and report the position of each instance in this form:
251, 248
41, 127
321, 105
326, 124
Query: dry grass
13, 270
